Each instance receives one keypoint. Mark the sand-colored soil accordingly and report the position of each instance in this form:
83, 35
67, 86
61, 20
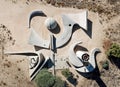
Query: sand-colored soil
14, 70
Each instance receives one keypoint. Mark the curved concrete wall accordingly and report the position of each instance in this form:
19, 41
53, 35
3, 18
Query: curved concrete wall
39, 61
73, 58
33, 72
65, 36
77, 61
68, 24
35, 39
33, 14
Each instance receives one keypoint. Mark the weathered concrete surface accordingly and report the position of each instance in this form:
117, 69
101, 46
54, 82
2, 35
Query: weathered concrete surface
16, 20
92, 61
73, 57
36, 61
69, 21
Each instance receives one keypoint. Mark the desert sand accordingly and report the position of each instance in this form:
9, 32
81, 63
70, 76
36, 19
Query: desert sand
14, 70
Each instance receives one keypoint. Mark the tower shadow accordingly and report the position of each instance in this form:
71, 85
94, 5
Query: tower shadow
56, 30
94, 75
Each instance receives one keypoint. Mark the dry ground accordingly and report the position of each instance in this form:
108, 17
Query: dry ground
14, 35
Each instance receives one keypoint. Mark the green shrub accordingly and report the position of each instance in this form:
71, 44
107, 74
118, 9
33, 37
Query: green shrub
48, 1
105, 65
114, 51
59, 82
66, 73
46, 79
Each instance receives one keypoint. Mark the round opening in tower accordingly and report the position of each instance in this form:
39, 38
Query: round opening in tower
85, 57
50, 23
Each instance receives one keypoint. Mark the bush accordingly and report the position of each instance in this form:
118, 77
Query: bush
48, 1
114, 51
67, 73
46, 79
59, 82
105, 65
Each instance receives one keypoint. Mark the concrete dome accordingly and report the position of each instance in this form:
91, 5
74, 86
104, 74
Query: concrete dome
50, 23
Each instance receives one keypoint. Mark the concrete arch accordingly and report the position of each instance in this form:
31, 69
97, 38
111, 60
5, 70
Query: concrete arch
68, 24
73, 57
37, 57
66, 35
76, 60
40, 63
34, 38
33, 14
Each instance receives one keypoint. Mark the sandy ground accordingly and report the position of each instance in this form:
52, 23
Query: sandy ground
15, 17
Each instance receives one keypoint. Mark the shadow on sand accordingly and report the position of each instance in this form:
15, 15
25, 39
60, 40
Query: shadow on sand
88, 31
56, 30
49, 64
94, 75
34, 14
89, 28
115, 61
73, 81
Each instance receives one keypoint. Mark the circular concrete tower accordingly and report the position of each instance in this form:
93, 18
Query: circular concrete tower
50, 23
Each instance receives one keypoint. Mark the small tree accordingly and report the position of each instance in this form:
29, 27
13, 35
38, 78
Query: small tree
114, 51
45, 79
69, 77
67, 73
59, 82
105, 65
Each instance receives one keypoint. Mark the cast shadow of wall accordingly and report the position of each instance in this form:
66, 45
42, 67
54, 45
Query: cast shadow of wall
94, 75
49, 64
115, 61
75, 27
78, 47
73, 81
56, 30
89, 28
37, 48
34, 14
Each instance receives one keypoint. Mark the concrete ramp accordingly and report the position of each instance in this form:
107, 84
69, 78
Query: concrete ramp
73, 57
35, 39
36, 61
34, 68
78, 59
69, 20
80, 19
